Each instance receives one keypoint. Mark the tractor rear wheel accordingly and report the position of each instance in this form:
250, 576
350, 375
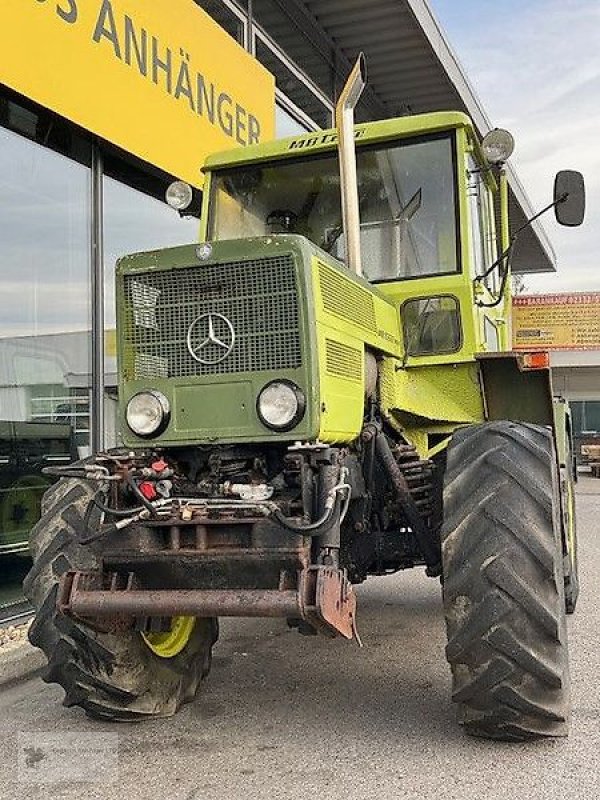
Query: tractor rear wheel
503, 582
124, 677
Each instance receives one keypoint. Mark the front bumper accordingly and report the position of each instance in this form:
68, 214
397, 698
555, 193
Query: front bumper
322, 597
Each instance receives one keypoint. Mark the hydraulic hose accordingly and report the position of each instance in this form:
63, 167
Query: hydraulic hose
114, 512
332, 515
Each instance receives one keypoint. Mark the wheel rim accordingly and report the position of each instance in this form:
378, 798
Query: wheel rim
168, 644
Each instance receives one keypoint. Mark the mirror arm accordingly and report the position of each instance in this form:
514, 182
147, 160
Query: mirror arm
555, 203
506, 253
502, 287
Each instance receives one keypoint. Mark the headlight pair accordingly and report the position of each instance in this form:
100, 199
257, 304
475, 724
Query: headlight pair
280, 406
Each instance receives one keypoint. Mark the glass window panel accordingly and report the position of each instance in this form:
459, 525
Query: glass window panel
44, 320
492, 338
431, 325
407, 206
286, 124
483, 233
298, 92
477, 239
133, 222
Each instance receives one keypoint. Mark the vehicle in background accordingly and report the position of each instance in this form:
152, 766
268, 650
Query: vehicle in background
25, 448
586, 432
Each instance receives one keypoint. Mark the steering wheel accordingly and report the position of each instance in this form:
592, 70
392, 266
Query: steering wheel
285, 218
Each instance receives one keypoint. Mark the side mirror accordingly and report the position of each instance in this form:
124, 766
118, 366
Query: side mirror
569, 196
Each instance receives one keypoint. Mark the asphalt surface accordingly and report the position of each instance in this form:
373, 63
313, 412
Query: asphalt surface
283, 716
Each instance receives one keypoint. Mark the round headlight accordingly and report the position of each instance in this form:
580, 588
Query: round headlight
179, 195
281, 405
148, 413
498, 145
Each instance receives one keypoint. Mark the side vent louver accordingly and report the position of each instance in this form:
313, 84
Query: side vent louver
346, 299
343, 361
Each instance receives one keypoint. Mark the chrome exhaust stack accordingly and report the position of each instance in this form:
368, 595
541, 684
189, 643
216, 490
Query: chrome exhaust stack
344, 122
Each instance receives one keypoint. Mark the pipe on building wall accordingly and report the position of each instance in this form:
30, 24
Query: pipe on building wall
344, 121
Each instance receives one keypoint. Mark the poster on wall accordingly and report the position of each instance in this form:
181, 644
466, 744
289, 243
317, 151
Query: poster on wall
557, 321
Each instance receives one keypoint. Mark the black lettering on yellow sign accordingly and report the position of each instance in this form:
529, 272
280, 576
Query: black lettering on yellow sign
66, 9
137, 47
105, 16
144, 52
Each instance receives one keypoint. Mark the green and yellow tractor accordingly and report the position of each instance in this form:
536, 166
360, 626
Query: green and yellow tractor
320, 390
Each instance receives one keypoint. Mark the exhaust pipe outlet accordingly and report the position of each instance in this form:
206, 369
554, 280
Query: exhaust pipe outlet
344, 121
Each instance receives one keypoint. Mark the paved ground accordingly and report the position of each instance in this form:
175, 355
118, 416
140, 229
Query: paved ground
285, 717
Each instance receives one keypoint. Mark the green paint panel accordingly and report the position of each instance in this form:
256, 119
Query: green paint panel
226, 408
259, 285
516, 394
322, 141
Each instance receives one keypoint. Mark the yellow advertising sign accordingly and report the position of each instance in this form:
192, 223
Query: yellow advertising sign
158, 78
557, 321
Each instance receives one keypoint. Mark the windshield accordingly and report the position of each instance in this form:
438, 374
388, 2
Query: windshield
407, 206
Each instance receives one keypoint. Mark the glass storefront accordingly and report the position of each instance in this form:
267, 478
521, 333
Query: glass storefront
64, 198
47, 208
44, 311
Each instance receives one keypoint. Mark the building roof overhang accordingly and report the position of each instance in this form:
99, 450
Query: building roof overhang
412, 69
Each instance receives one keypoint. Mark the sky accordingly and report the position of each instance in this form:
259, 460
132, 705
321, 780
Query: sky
535, 66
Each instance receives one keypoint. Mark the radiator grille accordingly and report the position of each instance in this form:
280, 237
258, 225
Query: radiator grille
343, 361
259, 297
346, 299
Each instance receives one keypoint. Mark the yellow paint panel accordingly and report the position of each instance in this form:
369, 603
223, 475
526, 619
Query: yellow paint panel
557, 321
158, 78
110, 342
342, 396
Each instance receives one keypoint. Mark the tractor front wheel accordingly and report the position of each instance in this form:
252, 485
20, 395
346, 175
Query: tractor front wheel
124, 677
503, 582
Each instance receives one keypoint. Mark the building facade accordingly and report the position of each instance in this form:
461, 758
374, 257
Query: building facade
73, 199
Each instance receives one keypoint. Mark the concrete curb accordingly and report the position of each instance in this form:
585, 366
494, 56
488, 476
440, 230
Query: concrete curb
19, 663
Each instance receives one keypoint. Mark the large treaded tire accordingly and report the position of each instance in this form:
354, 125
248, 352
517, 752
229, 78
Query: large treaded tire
503, 582
110, 676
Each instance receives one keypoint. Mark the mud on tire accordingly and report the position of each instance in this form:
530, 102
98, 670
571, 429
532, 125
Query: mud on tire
110, 676
503, 582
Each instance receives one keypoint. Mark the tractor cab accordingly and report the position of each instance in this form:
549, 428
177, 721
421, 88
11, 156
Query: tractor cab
428, 202
433, 220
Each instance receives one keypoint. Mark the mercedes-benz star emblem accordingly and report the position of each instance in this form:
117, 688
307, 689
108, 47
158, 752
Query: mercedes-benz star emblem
210, 338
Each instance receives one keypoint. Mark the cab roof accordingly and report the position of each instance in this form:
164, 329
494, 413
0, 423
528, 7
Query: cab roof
323, 140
